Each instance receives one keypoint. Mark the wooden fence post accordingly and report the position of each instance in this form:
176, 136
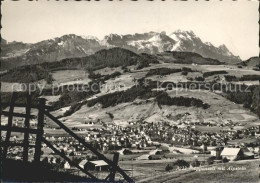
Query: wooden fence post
10, 122
37, 155
82, 141
27, 126
113, 170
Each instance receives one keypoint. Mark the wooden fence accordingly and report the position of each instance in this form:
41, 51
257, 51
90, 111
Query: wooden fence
43, 111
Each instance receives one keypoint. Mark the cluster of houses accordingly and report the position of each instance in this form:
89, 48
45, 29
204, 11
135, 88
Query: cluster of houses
165, 152
98, 165
152, 141
141, 136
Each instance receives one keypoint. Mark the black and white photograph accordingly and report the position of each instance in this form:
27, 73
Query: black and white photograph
130, 91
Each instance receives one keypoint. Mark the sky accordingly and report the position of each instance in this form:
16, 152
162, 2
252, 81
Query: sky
233, 23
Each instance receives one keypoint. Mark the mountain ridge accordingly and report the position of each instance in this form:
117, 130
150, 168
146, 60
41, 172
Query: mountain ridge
71, 45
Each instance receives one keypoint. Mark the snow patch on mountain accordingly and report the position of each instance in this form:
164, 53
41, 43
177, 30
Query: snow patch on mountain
72, 45
61, 43
176, 47
90, 37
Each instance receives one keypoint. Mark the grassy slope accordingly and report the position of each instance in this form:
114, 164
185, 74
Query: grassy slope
250, 175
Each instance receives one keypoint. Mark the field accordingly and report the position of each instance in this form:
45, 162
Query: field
140, 169
149, 111
66, 77
233, 70
108, 70
247, 171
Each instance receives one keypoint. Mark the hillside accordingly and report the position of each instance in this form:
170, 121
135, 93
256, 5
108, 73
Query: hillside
186, 58
114, 57
251, 62
163, 96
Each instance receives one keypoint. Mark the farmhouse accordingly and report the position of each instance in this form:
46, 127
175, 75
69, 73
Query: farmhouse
237, 153
232, 153
100, 165
66, 165
247, 154
213, 153
83, 164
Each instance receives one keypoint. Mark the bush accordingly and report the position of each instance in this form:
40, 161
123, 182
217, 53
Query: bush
181, 163
250, 78
190, 78
210, 160
195, 163
100, 77
243, 78
168, 168
225, 160
211, 73
199, 78
162, 71
165, 99
185, 73
129, 95
187, 69
230, 78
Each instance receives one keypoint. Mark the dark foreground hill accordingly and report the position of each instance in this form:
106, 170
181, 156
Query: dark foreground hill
114, 57
18, 171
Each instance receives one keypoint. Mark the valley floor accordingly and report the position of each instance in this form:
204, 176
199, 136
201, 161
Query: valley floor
248, 171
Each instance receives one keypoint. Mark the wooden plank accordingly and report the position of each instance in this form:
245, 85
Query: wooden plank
27, 126
1, 125
67, 159
19, 129
82, 141
5, 113
113, 171
10, 120
37, 155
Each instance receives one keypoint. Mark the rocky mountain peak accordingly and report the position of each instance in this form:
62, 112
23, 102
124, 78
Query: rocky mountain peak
223, 47
71, 45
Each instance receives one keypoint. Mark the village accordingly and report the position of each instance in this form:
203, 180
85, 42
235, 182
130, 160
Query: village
140, 142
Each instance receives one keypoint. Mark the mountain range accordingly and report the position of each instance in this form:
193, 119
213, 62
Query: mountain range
72, 46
